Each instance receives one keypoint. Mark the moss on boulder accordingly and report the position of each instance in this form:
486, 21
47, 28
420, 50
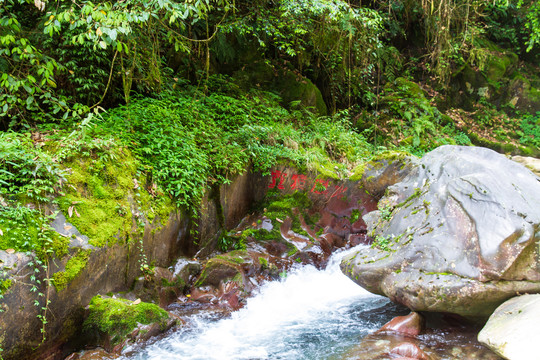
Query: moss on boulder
220, 269
116, 318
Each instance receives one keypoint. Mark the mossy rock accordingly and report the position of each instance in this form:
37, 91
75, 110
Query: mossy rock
289, 85
73, 268
409, 87
236, 256
104, 203
116, 318
282, 207
498, 61
522, 94
293, 87
376, 168
219, 270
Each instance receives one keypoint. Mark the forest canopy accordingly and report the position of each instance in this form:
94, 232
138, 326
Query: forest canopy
63, 60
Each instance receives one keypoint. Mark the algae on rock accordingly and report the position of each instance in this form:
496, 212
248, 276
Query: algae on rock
116, 318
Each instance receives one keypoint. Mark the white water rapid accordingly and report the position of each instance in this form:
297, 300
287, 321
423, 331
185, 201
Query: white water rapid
311, 314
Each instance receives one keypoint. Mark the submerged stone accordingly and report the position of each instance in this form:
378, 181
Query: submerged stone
409, 325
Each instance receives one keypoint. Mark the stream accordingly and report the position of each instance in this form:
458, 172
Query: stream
309, 314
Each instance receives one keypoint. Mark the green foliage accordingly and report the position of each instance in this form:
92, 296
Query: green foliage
532, 22
530, 127
25, 171
5, 284
57, 58
186, 139
382, 242
329, 40
118, 317
355, 216
26, 229
413, 119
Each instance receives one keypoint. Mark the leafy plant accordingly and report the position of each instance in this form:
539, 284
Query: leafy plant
25, 171
530, 127
382, 242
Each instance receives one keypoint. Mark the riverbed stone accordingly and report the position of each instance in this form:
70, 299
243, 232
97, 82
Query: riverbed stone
512, 331
408, 325
459, 234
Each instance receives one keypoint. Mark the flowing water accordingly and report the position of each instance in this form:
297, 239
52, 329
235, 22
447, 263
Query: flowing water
311, 314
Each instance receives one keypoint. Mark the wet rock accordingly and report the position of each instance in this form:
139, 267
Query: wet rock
457, 235
409, 350
513, 331
276, 248
185, 271
222, 268
436, 344
299, 241
95, 354
160, 286
383, 172
409, 325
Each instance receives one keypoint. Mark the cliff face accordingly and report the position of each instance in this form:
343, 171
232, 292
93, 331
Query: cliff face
88, 269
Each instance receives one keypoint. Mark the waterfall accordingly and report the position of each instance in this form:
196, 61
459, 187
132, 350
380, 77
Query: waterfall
310, 314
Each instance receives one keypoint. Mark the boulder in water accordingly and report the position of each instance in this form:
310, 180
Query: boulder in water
458, 234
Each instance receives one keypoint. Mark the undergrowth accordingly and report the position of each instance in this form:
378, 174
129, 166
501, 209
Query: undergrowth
187, 140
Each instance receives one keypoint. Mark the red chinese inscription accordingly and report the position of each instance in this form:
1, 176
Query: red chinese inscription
339, 190
278, 177
299, 181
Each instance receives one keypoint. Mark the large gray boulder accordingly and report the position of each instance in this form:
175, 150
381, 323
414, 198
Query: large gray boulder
513, 331
459, 234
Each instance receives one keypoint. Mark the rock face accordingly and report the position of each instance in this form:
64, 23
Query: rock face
459, 234
108, 269
512, 331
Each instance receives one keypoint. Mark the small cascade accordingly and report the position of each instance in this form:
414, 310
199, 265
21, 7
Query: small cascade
310, 314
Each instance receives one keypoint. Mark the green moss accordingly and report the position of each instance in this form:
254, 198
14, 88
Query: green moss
5, 284
533, 94
263, 234
282, 207
236, 256
327, 170
219, 265
263, 262
99, 192
355, 216
118, 317
304, 91
73, 267
378, 161
392, 156
103, 194
358, 172
409, 87
417, 193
